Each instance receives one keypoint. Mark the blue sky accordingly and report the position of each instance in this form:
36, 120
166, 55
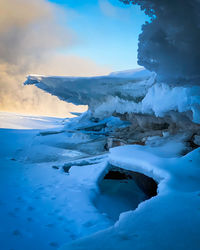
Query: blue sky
107, 31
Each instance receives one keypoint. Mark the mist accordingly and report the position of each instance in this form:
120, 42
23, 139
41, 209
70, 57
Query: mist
169, 42
31, 35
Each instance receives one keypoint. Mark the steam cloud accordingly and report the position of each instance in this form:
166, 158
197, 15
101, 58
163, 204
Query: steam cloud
31, 32
169, 43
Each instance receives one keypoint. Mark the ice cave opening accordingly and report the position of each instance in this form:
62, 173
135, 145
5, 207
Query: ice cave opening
122, 190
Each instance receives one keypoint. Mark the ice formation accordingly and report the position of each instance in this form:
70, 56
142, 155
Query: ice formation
126, 92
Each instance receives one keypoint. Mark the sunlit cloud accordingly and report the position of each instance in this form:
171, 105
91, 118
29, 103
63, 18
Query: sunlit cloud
31, 34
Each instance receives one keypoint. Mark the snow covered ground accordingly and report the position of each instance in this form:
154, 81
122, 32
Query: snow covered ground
44, 207
41, 206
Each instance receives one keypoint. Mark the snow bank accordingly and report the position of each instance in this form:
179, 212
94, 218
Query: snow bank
168, 221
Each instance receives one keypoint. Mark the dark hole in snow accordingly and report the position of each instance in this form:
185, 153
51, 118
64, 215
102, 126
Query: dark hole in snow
116, 175
123, 190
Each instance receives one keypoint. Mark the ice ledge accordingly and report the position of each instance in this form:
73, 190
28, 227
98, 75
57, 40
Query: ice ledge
93, 91
123, 92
